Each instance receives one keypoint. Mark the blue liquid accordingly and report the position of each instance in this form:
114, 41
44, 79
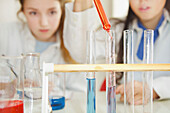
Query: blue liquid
91, 93
111, 99
57, 103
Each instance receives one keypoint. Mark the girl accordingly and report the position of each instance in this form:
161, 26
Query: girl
42, 32
143, 14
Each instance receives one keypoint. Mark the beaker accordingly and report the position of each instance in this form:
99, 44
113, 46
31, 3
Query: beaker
32, 83
56, 90
90, 76
110, 76
11, 84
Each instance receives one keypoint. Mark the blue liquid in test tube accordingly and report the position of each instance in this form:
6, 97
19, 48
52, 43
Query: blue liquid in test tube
91, 95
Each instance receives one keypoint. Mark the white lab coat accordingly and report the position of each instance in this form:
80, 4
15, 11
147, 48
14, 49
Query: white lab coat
75, 42
16, 38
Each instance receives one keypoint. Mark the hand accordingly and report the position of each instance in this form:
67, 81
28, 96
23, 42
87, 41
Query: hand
138, 93
81, 5
8, 89
31, 83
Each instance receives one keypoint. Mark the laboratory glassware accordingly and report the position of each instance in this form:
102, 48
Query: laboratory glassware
148, 75
11, 84
90, 76
32, 83
128, 58
146, 78
110, 76
56, 89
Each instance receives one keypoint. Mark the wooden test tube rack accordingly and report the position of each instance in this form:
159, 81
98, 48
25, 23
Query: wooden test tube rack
93, 68
110, 67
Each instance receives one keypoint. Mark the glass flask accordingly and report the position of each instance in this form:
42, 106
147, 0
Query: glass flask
90, 76
32, 83
56, 90
11, 84
110, 76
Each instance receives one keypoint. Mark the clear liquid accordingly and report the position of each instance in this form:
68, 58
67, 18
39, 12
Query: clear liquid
91, 93
111, 99
57, 103
32, 100
33, 92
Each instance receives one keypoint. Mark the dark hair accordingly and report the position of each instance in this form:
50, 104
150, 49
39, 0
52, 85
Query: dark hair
128, 21
65, 52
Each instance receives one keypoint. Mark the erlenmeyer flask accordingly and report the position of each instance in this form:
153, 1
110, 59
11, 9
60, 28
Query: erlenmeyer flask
56, 90
32, 82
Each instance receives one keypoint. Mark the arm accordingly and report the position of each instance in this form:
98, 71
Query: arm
77, 23
75, 26
81, 5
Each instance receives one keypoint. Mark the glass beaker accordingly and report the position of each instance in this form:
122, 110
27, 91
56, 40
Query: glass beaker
56, 90
32, 83
110, 76
11, 84
90, 76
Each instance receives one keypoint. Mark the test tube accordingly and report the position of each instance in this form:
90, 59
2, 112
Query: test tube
148, 76
110, 76
128, 50
91, 81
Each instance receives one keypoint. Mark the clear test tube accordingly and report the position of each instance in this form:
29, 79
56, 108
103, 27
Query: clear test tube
128, 58
148, 76
91, 81
110, 76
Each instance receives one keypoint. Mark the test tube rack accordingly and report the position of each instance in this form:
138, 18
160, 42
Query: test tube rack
50, 67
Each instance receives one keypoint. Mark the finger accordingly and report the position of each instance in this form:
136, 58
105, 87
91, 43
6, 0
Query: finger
129, 98
122, 98
120, 89
138, 102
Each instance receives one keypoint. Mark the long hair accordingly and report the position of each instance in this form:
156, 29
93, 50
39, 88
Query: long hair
65, 52
130, 17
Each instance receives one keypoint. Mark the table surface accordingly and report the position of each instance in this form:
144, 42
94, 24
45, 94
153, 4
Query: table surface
78, 105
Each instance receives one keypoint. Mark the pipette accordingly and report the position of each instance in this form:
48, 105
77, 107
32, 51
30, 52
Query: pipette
102, 15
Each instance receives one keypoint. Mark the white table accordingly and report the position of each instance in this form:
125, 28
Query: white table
78, 104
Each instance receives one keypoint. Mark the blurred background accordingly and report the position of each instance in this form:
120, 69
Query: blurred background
9, 8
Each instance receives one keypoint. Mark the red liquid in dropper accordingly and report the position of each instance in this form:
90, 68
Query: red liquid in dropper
103, 17
15, 106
